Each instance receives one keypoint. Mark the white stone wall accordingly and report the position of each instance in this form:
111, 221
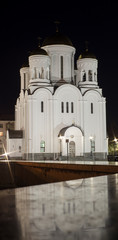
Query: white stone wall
39, 124
24, 74
94, 123
67, 93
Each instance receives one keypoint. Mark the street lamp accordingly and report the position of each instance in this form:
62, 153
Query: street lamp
115, 145
67, 141
91, 141
60, 138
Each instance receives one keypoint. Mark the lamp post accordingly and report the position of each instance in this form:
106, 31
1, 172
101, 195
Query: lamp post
115, 145
91, 140
67, 141
60, 138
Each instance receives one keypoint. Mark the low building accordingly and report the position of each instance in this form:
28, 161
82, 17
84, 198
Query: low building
14, 144
4, 126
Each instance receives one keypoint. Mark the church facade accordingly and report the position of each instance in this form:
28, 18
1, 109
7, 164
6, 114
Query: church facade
60, 111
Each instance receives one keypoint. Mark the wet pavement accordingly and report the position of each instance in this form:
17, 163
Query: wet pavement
78, 209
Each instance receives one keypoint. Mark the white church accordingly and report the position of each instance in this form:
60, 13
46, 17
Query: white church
60, 112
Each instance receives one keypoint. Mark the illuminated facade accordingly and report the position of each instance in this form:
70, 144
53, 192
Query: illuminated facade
60, 111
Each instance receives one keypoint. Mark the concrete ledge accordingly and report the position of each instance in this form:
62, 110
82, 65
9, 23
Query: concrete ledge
53, 156
19, 174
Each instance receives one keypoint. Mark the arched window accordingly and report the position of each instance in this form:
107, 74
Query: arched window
91, 108
72, 107
42, 146
90, 75
95, 77
42, 73
35, 73
19, 149
47, 73
42, 106
83, 76
67, 107
24, 80
75, 80
62, 107
61, 63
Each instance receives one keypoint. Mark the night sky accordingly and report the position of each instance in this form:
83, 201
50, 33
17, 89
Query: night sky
21, 23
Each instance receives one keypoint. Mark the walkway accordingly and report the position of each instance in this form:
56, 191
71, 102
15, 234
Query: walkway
78, 209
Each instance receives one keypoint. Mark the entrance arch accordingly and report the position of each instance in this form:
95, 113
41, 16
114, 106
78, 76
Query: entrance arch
71, 141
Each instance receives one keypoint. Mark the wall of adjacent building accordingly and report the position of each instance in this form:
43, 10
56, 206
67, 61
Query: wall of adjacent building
4, 126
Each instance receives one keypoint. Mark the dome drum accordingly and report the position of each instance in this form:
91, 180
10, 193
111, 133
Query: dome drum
39, 67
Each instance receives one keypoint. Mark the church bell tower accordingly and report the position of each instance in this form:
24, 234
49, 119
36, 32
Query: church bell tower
87, 70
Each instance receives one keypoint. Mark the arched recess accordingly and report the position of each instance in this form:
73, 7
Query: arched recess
68, 135
93, 93
92, 99
68, 90
39, 90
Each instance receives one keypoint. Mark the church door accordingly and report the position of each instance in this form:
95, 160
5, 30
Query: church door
72, 149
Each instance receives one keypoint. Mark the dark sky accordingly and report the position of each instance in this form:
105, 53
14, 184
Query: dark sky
21, 23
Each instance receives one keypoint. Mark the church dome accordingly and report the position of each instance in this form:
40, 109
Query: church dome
25, 65
57, 38
60, 82
87, 54
38, 51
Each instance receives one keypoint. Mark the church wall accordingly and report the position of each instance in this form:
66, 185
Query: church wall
55, 71
94, 122
24, 74
25, 135
66, 94
17, 115
40, 123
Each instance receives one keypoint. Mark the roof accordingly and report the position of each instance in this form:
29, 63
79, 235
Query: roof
60, 82
87, 54
63, 130
15, 133
57, 38
25, 64
38, 51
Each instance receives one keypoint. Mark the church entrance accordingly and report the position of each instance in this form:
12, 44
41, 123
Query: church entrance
71, 142
72, 149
